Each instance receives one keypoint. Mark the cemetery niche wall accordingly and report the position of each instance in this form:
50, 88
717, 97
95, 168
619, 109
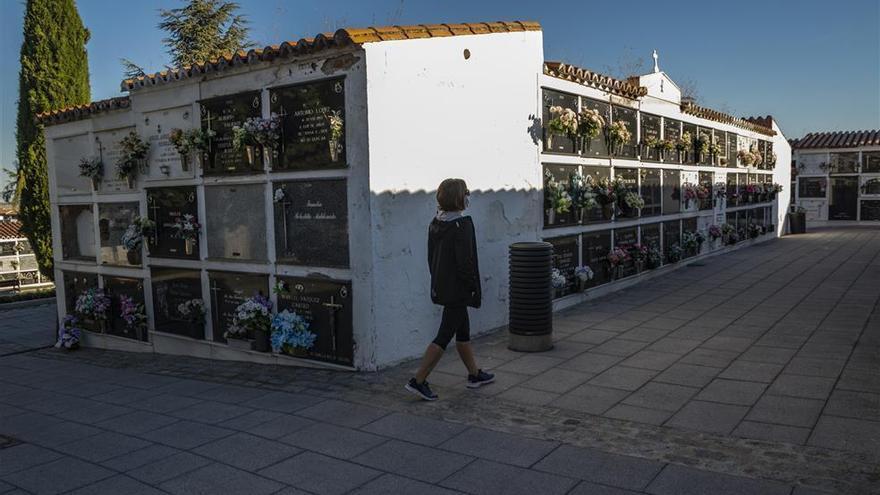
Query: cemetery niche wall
298, 181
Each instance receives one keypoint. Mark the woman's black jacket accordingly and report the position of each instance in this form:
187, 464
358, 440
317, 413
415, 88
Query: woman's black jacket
452, 259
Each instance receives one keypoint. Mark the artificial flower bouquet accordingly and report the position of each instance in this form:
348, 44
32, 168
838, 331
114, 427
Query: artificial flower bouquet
290, 334
265, 132
618, 135
91, 168
93, 303
133, 237
69, 333
563, 122
133, 156
193, 310
252, 316
186, 227
133, 314
590, 123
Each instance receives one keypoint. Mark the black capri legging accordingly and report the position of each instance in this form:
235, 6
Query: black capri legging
455, 322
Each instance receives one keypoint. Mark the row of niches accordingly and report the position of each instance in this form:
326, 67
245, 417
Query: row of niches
577, 125
591, 259
320, 310
309, 222
844, 162
578, 195
305, 130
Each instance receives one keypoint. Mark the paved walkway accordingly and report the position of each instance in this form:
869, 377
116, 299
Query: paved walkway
755, 373
26, 328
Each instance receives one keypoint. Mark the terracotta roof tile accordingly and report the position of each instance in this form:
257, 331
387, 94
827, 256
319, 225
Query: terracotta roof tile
10, 229
709, 114
594, 80
341, 38
78, 112
837, 139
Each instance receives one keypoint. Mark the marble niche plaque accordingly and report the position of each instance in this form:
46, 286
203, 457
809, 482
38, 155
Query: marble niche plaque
221, 114
74, 285
110, 152
311, 222
67, 153
228, 290
672, 132
628, 117
171, 288
165, 206
732, 141
306, 138
650, 130
671, 237
594, 252
689, 225
557, 143
596, 173
624, 239
77, 232
651, 236
129, 287
565, 259
598, 146
870, 210
113, 221
236, 221
671, 192
651, 191
327, 306
561, 174
630, 179
165, 162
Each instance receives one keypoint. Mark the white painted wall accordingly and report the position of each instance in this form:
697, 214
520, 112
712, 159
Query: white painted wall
432, 115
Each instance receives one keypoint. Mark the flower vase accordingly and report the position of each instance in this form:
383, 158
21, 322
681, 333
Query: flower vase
334, 150
587, 144
188, 245
549, 142
251, 153
551, 216
133, 256
261, 340
130, 181
295, 351
184, 162
581, 214
96, 183
581, 285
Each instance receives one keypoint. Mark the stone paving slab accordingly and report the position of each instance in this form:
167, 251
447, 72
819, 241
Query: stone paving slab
714, 415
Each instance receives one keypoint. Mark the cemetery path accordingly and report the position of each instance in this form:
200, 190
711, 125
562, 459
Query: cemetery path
26, 328
754, 372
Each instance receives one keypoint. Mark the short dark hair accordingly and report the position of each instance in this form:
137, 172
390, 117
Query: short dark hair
451, 195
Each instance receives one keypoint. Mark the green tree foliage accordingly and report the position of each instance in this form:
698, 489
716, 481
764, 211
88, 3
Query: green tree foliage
54, 74
11, 190
203, 30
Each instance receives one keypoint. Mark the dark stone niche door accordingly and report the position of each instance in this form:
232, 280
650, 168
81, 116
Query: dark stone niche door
306, 111
311, 222
123, 286
220, 115
165, 206
326, 305
228, 290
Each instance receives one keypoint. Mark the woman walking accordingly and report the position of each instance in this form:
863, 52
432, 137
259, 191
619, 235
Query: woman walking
455, 285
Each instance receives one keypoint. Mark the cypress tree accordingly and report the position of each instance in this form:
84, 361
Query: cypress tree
54, 74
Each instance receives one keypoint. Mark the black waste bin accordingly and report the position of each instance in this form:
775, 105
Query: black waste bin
531, 296
797, 223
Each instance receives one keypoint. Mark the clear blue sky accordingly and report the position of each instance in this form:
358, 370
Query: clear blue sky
814, 65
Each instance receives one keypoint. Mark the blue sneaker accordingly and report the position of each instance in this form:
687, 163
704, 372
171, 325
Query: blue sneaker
480, 379
421, 389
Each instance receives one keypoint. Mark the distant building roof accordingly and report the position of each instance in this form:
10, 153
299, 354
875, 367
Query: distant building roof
586, 77
837, 139
10, 229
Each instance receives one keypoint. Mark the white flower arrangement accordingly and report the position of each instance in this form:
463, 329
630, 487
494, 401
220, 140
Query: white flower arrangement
563, 121
558, 279
584, 273
279, 195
